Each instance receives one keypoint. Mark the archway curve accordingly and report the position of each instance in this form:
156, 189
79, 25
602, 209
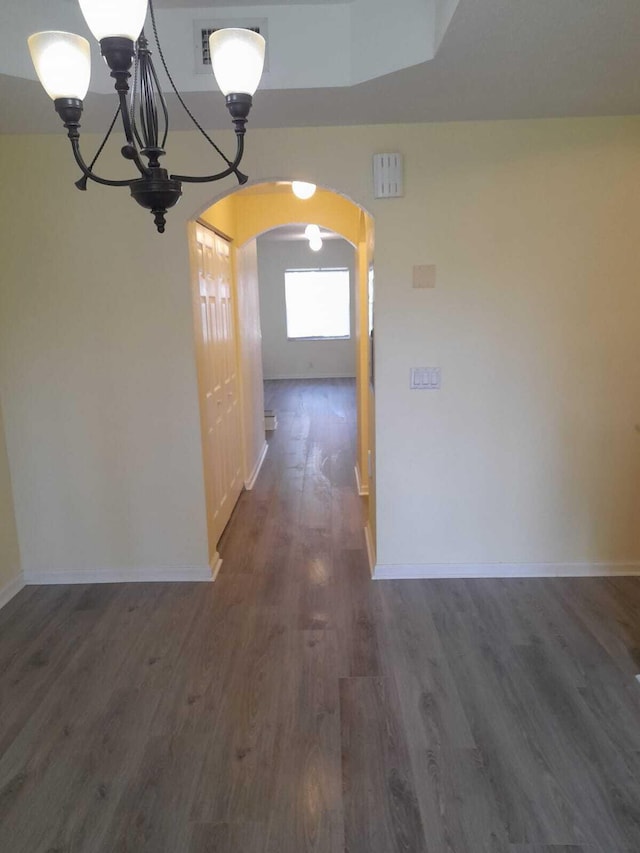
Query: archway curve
241, 215
263, 182
302, 223
268, 204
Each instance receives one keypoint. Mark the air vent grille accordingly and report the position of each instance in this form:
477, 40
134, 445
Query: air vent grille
205, 32
203, 29
387, 176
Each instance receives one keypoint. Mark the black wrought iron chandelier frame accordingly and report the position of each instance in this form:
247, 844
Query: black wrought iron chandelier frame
145, 121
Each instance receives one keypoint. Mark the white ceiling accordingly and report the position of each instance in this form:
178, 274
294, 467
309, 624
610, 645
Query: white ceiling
296, 233
499, 59
230, 4
312, 45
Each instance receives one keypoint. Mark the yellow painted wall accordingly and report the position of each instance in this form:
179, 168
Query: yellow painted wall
250, 355
529, 454
9, 552
365, 450
223, 217
252, 211
251, 215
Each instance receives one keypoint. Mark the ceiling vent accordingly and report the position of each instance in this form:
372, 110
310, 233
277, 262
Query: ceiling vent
203, 29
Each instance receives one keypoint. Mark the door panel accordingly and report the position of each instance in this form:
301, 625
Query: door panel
217, 378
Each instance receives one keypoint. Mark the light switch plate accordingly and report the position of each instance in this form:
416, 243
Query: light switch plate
425, 379
424, 276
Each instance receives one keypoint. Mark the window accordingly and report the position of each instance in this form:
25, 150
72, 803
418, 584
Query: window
317, 303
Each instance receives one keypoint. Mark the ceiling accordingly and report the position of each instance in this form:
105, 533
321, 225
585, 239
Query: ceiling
499, 59
190, 4
296, 233
227, 4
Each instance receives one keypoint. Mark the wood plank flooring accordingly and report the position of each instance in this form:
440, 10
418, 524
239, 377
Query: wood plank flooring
296, 707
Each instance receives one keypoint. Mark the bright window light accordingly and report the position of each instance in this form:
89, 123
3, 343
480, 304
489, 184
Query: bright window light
317, 303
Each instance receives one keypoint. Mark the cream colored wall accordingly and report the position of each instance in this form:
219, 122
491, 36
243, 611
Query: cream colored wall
250, 355
9, 552
530, 453
285, 359
97, 372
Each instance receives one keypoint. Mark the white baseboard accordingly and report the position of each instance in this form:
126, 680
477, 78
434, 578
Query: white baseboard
312, 376
250, 483
11, 589
363, 491
504, 570
371, 549
165, 574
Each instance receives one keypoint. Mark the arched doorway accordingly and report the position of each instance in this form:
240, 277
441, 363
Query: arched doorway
222, 241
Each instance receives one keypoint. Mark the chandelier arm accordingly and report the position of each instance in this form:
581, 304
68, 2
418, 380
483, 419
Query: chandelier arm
130, 151
177, 93
134, 99
86, 171
233, 168
148, 118
163, 104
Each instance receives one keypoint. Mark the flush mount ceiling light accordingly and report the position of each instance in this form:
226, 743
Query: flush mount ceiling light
311, 232
63, 65
314, 236
303, 190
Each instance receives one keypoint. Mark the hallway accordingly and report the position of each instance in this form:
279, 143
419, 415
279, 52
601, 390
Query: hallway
296, 707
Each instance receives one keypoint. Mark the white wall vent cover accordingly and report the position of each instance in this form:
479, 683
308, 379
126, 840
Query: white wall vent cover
388, 176
203, 29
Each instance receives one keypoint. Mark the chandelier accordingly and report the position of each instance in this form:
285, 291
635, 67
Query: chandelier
63, 65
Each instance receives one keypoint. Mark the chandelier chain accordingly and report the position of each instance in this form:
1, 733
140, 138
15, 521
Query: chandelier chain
105, 140
134, 94
175, 90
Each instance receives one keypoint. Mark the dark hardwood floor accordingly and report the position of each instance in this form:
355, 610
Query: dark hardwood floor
296, 707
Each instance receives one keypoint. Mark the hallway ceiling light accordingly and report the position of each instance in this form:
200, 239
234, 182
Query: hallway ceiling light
303, 190
312, 231
63, 65
315, 244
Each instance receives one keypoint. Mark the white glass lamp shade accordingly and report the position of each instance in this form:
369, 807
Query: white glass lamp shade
312, 232
303, 189
62, 62
237, 60
105, 18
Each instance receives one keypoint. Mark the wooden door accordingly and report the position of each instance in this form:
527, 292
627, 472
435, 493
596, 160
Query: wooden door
217, 377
